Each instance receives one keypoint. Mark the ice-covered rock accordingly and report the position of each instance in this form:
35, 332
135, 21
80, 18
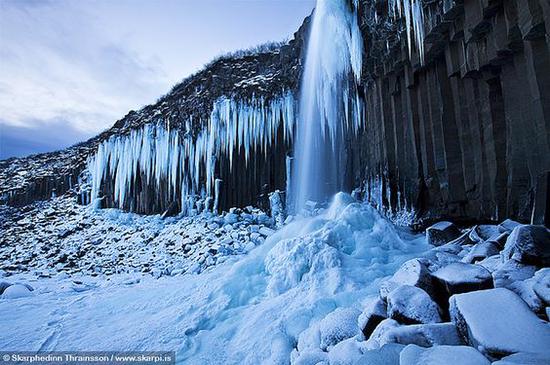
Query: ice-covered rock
541, 285
310, 357
510, 272
411, 305
457, 278
498, 322
508, 225
3, 286
265, 231
413, 272
481, 251
231, 218
529, 244
425, 335
374, 313
338, 326
455, 355
441, 233
385, 355
485, 232
524, 358
376, 338
16, 291
347, 352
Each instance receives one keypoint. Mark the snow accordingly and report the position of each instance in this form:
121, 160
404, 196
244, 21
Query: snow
425, 335
247, 309
498, 322
337, 326
456, 355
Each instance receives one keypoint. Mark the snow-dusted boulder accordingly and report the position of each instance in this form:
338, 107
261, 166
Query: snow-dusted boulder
498, 322
425, 335
376, 338
457, 278
524, 358
541, 285
338, 326
510, 272
411, 305
441, 233
231, 218
455, 355
529, 244
413, 272
16, 291
347, 352
310, 357
508, 225
385, 355
481, 251
374, 313
485, 232
491, 263
3, 286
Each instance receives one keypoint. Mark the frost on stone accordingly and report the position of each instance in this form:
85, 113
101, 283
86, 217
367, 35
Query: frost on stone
455, 355
338, 326
409, 304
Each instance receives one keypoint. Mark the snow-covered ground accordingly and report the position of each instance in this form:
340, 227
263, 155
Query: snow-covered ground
246, 309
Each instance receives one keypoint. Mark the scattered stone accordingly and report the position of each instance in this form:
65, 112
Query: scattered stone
441, 233
411, 305
542, 285
231, 218
425, 335
498, 323
455, 355
265, 231
374, 313
485, 232
508, 225
377, 335
529, 245
16, 291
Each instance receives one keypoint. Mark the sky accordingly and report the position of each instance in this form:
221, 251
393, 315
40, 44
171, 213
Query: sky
70, 69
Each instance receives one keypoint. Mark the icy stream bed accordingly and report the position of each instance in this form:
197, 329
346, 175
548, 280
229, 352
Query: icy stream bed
250, 309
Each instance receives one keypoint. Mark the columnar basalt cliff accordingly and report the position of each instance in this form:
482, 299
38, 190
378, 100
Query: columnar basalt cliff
454, 123
461, 130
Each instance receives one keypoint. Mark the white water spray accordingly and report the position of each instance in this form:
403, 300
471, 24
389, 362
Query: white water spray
334, 54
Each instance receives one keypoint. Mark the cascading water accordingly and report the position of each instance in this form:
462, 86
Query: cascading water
333, 60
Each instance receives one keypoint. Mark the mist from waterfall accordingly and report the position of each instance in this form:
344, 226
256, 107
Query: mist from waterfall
333, 60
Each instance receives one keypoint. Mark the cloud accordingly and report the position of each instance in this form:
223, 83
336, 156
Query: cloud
56, 64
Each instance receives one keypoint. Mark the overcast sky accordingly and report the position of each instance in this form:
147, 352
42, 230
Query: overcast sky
70, 69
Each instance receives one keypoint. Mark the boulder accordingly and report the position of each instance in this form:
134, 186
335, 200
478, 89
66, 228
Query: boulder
458, 278
455, 355
510, 272
379, 332
16, 291
498, 323
374, 313
338, 326
528, 244
413, 272
411, 305
541, 287
441, 233
485, 232
385, 355
508, 225
524, 358
3, 286
481, 251
425, 335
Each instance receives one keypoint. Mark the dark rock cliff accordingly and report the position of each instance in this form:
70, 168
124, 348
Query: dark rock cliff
466, 134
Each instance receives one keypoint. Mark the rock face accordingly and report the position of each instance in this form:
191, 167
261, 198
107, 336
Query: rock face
498, 323
465, 134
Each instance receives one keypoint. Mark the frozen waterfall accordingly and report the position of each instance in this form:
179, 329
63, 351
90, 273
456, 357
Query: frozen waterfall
329, 104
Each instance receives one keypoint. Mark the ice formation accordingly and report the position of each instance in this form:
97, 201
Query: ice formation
186, 165
414, 22
329, 102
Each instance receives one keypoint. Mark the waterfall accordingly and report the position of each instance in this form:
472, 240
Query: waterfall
332, 68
